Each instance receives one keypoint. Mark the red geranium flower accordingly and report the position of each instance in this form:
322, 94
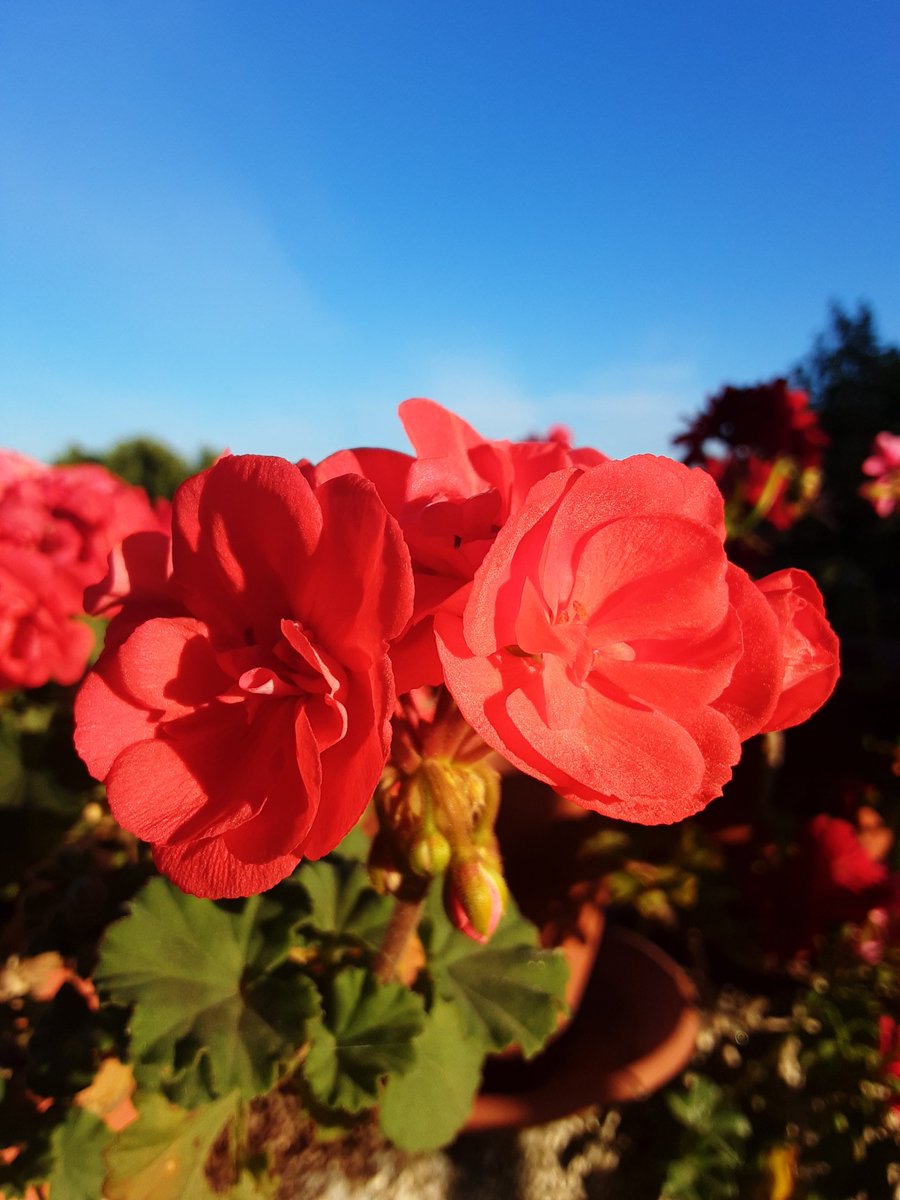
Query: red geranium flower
39, 636
250, 730
809, 647
74, 516
609, 648
58, 526
451, 501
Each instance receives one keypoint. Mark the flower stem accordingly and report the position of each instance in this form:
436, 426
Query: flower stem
401, 927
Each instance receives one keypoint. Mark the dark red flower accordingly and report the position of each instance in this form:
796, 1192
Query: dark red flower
251, 730
770, 421
764, 447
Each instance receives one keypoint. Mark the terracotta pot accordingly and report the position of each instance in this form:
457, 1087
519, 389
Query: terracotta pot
634, 1030
634, 1021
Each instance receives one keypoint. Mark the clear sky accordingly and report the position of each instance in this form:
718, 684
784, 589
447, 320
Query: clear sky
262, 224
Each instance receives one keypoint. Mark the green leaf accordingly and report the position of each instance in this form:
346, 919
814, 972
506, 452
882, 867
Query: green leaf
367, 1032
425, 1108
210, 1016
78, 1167
162, 1155
699, 1107
344, 904
507, 992
355, 846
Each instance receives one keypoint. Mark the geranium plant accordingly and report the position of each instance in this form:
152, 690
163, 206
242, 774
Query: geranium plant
296, 642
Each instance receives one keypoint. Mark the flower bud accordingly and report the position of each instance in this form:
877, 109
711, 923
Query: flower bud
430, 855
475, 898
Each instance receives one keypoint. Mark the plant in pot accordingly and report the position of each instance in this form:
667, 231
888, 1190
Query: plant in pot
308, 637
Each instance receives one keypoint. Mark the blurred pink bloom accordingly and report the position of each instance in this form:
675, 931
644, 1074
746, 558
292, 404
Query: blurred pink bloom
884, 466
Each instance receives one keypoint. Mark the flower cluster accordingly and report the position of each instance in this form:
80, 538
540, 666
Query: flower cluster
768, 452
581, 612
58, 526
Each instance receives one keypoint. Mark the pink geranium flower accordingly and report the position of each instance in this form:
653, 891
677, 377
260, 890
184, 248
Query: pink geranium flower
884, 465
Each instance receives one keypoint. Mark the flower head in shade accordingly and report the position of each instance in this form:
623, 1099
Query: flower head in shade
764, 447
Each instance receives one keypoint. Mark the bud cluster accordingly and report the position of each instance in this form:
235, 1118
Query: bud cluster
437, 805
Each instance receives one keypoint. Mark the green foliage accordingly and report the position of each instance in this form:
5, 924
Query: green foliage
711, 1162
78, 1144
216, 1006
424, 1108
508, 992
854, 380
366, 1032
162, 1155
344, 907
143, 461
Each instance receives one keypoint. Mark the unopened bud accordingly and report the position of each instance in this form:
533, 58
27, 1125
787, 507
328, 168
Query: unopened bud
430, 855
475, 898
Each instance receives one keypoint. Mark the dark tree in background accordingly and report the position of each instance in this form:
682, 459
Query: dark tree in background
854, 381
143, 461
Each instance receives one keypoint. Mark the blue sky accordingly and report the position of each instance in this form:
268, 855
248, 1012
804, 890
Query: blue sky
264, 224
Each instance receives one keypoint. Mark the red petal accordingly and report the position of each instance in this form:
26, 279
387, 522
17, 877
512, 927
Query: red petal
358, 585
388, 470
202, 779
167, 664
437, 433
749, 699
208, 868
291, 803
243, 534
105, 721
809, 646
658, 578
492, 609
351, 768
